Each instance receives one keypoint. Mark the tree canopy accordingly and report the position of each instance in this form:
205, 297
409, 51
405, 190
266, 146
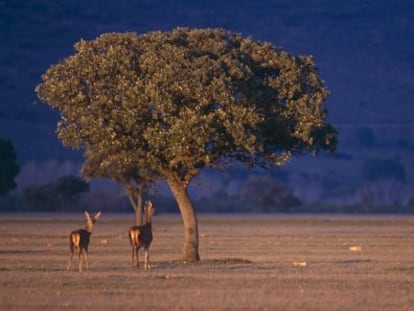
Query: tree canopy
9, 168
61, 195
164, 105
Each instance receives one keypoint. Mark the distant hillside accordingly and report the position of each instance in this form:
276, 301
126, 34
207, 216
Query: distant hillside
364, 50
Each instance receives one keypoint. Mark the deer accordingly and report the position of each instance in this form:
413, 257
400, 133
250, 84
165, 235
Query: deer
141, 236
79, 239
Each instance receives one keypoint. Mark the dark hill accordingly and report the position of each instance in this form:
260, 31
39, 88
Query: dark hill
364, 50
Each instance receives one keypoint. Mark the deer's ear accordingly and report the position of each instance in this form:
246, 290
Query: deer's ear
87, 215
97, 215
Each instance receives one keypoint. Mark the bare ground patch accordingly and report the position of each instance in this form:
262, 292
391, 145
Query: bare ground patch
249, 263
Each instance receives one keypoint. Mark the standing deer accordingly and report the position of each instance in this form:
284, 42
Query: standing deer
141, 236
79, 239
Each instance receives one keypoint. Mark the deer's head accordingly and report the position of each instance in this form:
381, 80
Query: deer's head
148, 210
90, 220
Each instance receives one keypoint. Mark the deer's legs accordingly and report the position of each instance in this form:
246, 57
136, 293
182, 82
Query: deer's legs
85, 254
70, 259
80, 260
132, 257
147, 266
136, 256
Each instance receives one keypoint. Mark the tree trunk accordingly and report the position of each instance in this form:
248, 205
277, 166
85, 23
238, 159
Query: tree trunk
135, 198
188, 214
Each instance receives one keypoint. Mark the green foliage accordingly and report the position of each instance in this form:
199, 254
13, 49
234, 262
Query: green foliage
9, 168
171, 103
62, 195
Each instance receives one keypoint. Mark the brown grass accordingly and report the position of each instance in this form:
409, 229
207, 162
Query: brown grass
249, 263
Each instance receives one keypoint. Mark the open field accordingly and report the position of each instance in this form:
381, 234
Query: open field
265, 262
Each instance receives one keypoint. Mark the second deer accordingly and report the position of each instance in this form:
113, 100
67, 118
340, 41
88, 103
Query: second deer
141, 236
79, 239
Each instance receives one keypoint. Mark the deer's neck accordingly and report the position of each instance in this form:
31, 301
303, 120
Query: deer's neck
89, 227
148, 221
147, 216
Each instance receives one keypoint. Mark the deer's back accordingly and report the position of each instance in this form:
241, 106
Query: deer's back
140, 235
80, 238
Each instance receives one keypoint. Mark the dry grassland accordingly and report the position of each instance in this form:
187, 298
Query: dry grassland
266, 262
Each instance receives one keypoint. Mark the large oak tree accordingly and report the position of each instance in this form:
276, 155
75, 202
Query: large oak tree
9, 168
164, 105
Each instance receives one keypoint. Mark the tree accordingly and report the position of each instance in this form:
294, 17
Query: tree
268, 194
60, 195
135, 180
384, 182
68, 190
9, 168
172, 103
